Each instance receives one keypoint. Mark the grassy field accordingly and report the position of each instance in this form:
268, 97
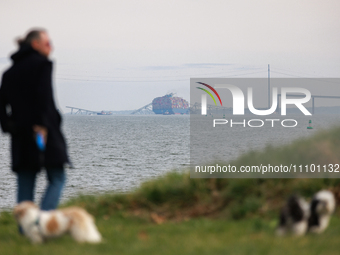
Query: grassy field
126, 235
178, 215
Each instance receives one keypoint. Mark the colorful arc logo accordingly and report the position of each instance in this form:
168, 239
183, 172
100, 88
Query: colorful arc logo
210, 93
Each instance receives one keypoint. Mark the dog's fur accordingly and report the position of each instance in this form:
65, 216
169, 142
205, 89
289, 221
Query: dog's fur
322, 207
38, 225
294, 217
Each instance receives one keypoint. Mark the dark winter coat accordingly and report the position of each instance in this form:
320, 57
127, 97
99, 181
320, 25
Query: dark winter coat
26, 99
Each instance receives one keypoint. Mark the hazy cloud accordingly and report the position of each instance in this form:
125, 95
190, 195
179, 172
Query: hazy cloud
154, 46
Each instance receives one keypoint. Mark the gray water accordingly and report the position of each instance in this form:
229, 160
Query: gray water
117, 153
110, 153
224, 143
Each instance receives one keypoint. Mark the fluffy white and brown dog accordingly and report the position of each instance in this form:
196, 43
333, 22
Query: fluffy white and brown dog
322, 207
294, 217
38, 225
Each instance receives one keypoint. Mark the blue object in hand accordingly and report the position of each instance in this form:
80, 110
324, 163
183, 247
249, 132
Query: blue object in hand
40, 142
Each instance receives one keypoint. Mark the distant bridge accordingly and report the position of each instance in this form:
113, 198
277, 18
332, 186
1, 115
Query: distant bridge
81, 111
296, 95
147, 108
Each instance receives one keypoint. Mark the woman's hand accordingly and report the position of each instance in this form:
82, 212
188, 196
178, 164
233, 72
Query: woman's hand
41, 130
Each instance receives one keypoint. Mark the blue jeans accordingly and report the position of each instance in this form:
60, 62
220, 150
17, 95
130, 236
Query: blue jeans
56, 180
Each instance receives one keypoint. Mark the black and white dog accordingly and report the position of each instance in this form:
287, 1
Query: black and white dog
298, 217
294, 217
321, 207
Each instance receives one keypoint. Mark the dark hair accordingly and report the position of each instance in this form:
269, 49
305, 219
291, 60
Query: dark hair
31, 35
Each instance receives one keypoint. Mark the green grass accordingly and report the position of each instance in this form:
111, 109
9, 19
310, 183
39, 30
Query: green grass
126, 235
177, 197
178, 215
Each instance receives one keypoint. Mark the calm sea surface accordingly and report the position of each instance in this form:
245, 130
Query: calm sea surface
110, 153
223, 143
117, 153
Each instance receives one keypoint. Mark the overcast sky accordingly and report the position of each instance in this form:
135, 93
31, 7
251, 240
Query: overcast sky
119, 55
